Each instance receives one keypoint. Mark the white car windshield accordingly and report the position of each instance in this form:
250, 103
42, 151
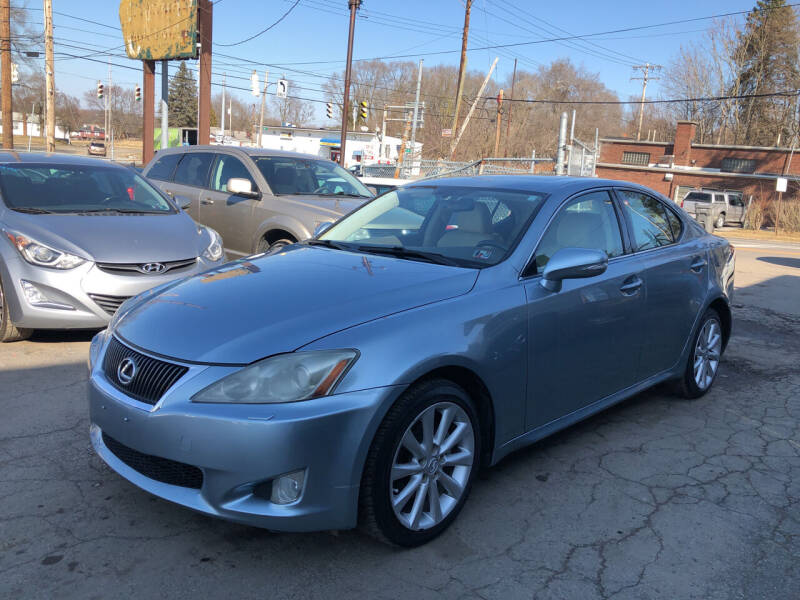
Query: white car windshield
463, 226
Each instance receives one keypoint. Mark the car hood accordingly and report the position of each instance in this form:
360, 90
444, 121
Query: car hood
256, 307
113, 239
331, 207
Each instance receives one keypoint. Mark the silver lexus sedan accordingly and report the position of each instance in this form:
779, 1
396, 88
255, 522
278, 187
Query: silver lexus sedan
79, 236
364, 376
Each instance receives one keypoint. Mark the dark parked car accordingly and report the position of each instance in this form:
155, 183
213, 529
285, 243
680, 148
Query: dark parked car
365, 375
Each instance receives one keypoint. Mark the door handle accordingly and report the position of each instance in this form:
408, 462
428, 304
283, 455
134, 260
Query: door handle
630, 286
698, 263
206, 201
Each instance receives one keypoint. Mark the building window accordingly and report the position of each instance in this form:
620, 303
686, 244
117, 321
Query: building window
739, 165
636, 158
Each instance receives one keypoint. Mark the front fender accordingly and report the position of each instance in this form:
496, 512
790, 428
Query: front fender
284, 222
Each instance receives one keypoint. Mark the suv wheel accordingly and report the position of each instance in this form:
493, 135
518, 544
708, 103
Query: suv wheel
8, 332
421, 464
720, 223
264, 246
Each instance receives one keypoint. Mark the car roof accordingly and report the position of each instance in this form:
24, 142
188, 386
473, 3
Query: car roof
542, 184
21, 158
249, 151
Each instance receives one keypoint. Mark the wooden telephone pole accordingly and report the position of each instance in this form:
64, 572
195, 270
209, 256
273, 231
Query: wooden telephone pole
5, 74
645, 69
50, 83
462, 67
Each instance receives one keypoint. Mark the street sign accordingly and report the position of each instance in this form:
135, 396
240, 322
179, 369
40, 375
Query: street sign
447, 133
255, 87
159, 29
780, 184
14, 73
282, 89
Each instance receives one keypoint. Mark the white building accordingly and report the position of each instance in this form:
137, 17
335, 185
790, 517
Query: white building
362, 147
30, 126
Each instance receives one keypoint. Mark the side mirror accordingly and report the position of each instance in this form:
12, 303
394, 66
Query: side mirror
373, 189
572, 263
322, 228
241, 187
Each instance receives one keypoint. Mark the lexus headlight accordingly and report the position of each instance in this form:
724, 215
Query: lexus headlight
215, 251
283, 378
41, 255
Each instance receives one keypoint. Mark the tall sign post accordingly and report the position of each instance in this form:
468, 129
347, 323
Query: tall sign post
354, 5
168, 30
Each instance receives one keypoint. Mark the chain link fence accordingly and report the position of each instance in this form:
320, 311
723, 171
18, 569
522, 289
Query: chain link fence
427, 168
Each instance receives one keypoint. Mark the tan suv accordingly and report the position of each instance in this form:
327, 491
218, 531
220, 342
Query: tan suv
258, 200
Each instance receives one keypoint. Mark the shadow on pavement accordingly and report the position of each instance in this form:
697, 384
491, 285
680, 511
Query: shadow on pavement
781, 261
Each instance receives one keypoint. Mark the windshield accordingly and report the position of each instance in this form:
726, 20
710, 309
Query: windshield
475, 227
308, 176
79, 189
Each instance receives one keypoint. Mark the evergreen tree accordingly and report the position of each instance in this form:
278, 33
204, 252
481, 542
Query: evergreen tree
768, 63
183, 98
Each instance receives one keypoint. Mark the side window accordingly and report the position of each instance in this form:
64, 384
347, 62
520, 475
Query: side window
735, 200
227, 167
650, 220
193, 169
588, 221
719, 198
163, 167
675, 224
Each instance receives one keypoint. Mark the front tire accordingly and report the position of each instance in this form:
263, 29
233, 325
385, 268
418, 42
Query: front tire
8, 332
421, 464
703, 364
273, 248
720, 221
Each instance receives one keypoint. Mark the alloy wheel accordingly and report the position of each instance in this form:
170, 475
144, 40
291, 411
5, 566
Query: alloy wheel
432, 465
707, 353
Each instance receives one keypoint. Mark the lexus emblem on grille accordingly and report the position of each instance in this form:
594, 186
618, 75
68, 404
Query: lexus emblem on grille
151, 268
126, 370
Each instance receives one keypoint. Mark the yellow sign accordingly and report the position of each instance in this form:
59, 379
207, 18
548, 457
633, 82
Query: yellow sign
159, 29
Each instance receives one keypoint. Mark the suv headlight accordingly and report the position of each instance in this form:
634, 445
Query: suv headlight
215, 251
41, 255
284, 378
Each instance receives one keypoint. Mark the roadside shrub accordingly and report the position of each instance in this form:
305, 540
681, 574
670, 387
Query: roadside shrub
787, 215
756, 214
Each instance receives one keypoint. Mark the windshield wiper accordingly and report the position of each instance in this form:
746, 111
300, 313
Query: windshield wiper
120, 211
328, 244
402, 252
32, 210
346, 195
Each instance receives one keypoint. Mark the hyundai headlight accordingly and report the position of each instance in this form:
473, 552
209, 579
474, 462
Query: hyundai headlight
284, 378
41, 255
214, 251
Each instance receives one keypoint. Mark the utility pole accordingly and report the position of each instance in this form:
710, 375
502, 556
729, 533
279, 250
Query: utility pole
383, 133
462, 67
222, 111
510, 104
499, 122
263, 103
472, 109
50, 84
416, 113
645, 69
204, 27
164, 104
148, 108
5, 74
108, 95
354, 5
562, 145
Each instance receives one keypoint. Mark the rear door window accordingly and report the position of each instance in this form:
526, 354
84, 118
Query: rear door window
650, 220
193, 169
163, 168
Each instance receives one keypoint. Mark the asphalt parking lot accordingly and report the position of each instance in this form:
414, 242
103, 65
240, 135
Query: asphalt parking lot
656, 498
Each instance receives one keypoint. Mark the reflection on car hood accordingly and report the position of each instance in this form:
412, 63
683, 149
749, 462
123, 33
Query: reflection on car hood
113, 238
259, 306
332, 207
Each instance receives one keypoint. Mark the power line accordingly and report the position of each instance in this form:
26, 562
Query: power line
263, 31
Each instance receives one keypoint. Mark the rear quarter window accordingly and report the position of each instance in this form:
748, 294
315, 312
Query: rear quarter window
163, 167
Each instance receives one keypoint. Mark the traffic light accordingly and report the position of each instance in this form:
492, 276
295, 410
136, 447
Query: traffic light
329, 110
99, 89
362, 111
137, 94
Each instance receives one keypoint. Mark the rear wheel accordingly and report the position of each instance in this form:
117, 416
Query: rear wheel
421, 464
703, 364
8, 332
720, 221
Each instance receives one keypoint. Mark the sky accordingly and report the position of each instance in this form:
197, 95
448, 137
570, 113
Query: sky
310, 42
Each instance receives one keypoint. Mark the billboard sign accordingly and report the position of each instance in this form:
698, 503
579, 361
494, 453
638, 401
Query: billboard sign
159, 29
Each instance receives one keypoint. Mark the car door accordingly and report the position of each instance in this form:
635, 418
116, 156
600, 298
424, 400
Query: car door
675, 274
231, 215
189, 181
584, 340
160, 171
736, 208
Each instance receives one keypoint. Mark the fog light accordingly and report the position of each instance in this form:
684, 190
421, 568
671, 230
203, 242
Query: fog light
288, 488
37, 297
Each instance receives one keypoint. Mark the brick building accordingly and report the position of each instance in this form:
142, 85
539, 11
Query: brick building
673, 168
